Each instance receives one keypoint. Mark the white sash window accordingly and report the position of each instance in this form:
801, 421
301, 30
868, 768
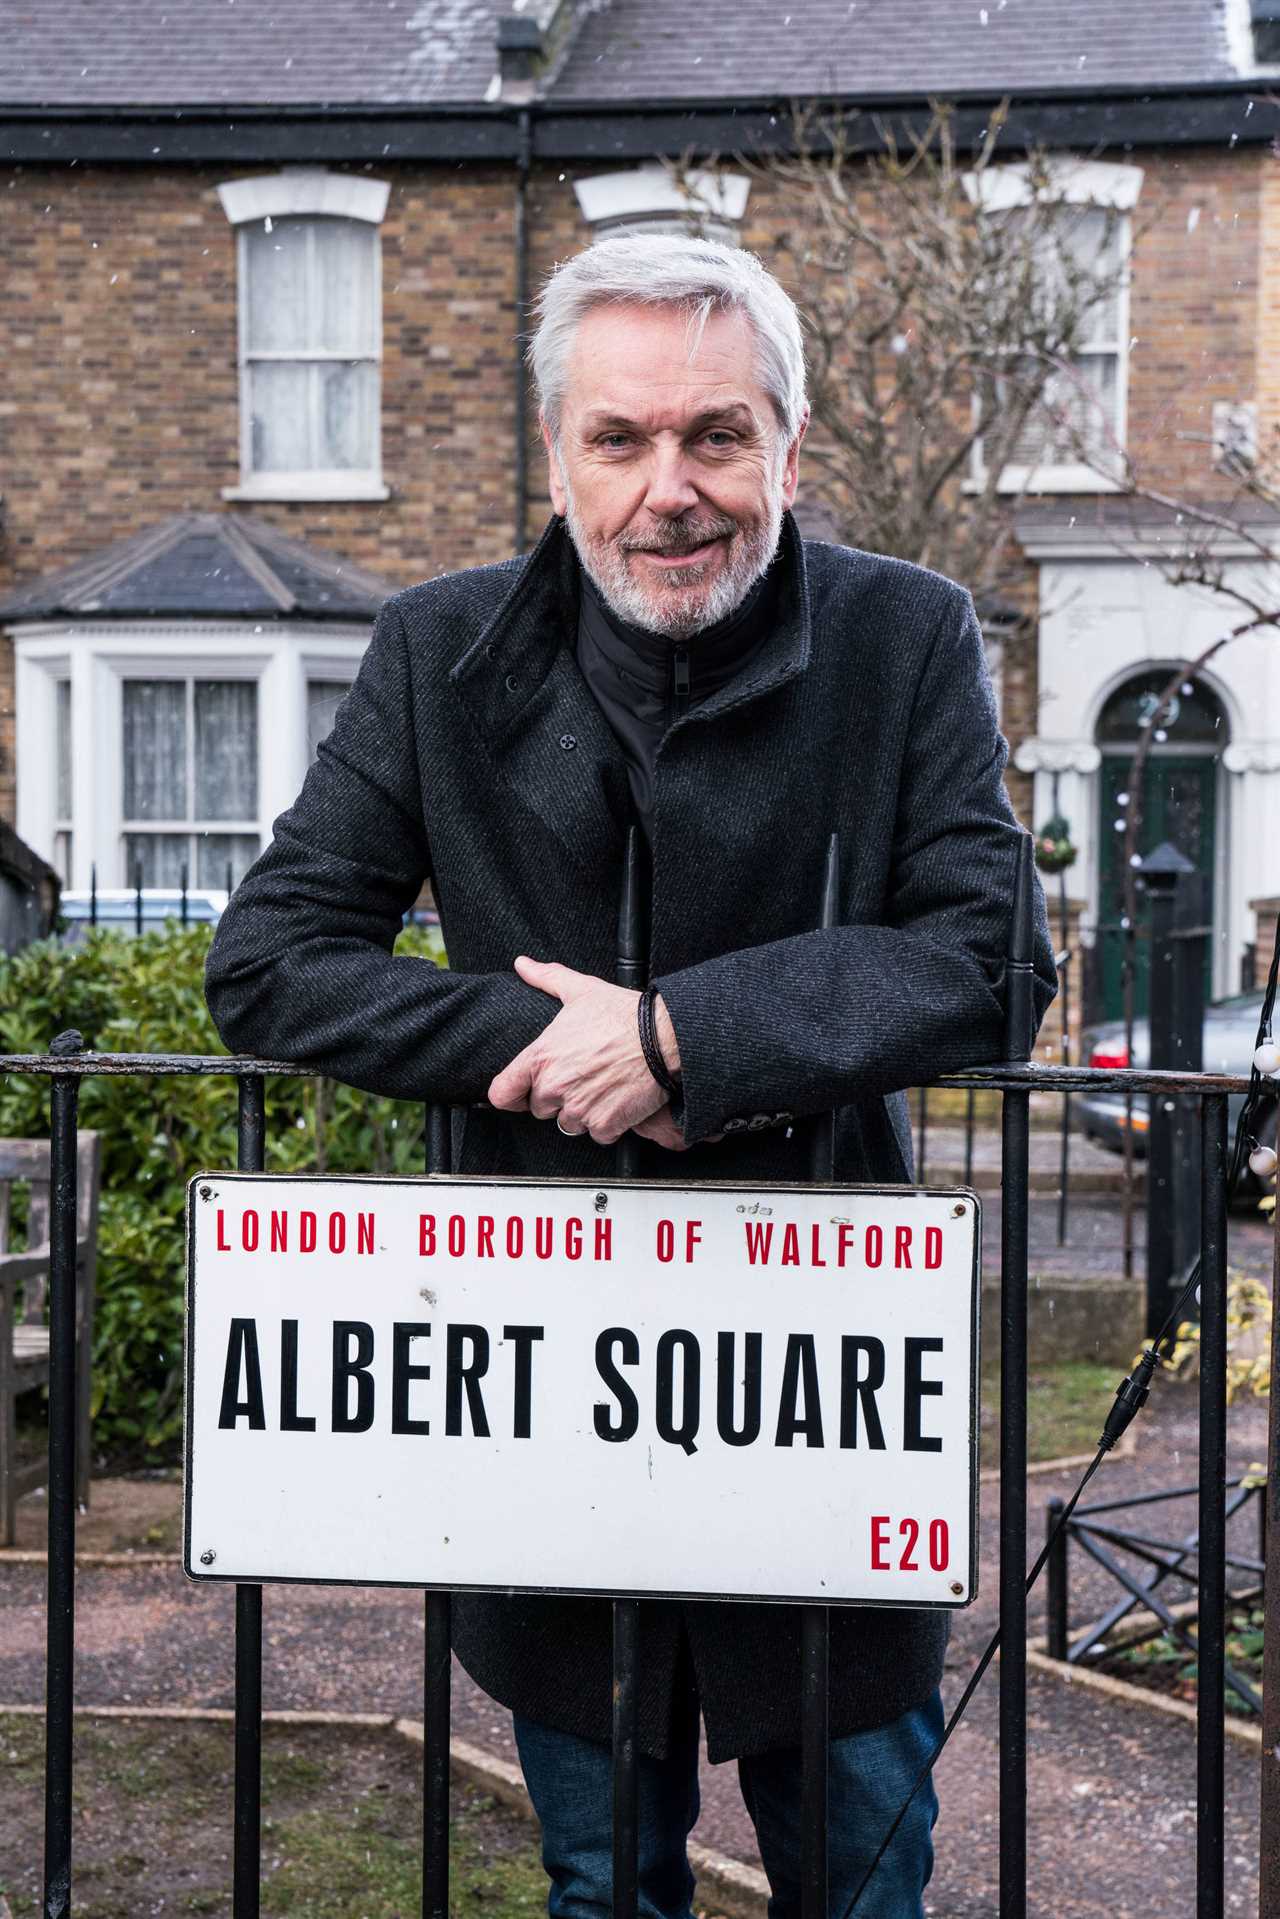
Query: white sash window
1085, 405
310, 329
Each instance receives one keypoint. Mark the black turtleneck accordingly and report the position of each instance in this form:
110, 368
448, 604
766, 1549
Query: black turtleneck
644, 681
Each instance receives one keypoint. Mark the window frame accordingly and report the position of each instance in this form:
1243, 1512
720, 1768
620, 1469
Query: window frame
97, 657
1104, 185
305, 193
186, 828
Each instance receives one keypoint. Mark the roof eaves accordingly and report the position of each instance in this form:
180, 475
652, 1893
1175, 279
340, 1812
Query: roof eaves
1237, 112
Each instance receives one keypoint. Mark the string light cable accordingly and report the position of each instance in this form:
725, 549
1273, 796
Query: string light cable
1132, 1393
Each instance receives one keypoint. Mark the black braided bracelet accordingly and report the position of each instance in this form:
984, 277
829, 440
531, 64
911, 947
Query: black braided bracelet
649, 1046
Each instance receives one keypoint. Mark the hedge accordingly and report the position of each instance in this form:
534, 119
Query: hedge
144, 995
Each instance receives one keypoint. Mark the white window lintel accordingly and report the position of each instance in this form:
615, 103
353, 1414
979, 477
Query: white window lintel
654, 191
349, 196
1075, 181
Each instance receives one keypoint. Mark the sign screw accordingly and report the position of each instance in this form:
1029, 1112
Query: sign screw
956, 1587
205, 1191
207, 1556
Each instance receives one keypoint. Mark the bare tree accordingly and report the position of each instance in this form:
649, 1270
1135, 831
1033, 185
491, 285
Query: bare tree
938, 317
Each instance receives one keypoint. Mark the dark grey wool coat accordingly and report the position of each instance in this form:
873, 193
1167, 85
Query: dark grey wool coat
471, 749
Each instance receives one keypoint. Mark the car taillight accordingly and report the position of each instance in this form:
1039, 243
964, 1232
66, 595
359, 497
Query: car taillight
1109, 1056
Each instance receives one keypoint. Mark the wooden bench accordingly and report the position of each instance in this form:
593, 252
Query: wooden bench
24, 1288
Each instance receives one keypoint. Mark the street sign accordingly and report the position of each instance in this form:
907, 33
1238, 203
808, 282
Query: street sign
515, 1385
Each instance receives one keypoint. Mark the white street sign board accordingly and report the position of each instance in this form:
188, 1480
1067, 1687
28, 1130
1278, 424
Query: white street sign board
709, 1391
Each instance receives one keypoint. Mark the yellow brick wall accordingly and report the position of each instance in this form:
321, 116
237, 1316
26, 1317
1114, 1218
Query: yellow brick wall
119, 403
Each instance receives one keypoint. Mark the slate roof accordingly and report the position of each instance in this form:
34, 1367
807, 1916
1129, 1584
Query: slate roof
894, 47
203, 565
86, 53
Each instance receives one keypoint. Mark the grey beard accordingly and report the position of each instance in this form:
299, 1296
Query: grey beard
676, 615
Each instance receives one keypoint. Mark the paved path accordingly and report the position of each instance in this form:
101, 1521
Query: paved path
1112, 1788
1090, 1168
1094, 1246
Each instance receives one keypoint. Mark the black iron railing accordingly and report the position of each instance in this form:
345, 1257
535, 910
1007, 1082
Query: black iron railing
66, 1069
1112, 1533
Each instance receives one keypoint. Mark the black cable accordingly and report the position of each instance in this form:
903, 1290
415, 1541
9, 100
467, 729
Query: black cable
1131, 1396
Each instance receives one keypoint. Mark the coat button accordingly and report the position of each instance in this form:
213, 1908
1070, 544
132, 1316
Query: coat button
512, 683
568, 742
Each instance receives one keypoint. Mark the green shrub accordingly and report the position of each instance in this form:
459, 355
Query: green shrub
145, 995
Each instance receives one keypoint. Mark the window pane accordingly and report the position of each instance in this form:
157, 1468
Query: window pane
155, 750
348, 395
226, 749
160, 856
324, 697
1091, 242
1188, 716
213, 850
279, 418
344, 285
1077, 410
62, 856
280, 315
64, 749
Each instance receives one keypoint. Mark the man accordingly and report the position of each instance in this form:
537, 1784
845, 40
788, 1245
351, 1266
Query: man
672, 652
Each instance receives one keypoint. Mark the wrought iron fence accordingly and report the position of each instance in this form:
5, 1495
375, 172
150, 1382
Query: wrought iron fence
66, 1069
1112, 1527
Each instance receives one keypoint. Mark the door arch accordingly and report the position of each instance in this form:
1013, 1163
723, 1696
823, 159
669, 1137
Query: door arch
1179, 803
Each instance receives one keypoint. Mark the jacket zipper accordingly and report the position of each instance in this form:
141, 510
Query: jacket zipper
679, 683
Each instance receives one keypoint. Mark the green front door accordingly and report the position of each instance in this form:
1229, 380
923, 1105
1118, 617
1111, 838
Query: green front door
1177, 805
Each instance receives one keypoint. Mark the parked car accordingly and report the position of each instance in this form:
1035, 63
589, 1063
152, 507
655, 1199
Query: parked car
117, 907
1230, 1036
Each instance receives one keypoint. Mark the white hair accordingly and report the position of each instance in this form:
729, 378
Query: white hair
664, 269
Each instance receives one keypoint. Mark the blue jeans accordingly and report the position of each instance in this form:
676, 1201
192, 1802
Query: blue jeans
870, 1775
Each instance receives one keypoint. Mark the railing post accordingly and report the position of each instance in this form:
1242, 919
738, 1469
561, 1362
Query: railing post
437, 1660
60, 1622
1064, 1008
631, 967
1015, 1138
1057, 1631
246, 1865
815, 1736
1212, 1595
815, 1621
1269, 1532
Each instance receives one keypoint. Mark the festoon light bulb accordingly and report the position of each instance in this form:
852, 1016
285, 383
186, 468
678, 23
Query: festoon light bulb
1262, 1161
1267, 1057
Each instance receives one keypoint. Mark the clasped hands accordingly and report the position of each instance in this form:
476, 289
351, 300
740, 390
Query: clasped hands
586, 1070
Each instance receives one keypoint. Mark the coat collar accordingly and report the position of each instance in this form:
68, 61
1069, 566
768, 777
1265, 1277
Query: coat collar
526, 695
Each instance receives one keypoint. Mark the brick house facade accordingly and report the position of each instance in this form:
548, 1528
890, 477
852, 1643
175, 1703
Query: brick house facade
124, 322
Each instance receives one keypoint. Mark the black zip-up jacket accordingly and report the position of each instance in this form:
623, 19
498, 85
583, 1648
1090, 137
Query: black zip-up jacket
472, 750
645, 682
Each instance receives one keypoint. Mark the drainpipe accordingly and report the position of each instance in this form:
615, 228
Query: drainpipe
524, 155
